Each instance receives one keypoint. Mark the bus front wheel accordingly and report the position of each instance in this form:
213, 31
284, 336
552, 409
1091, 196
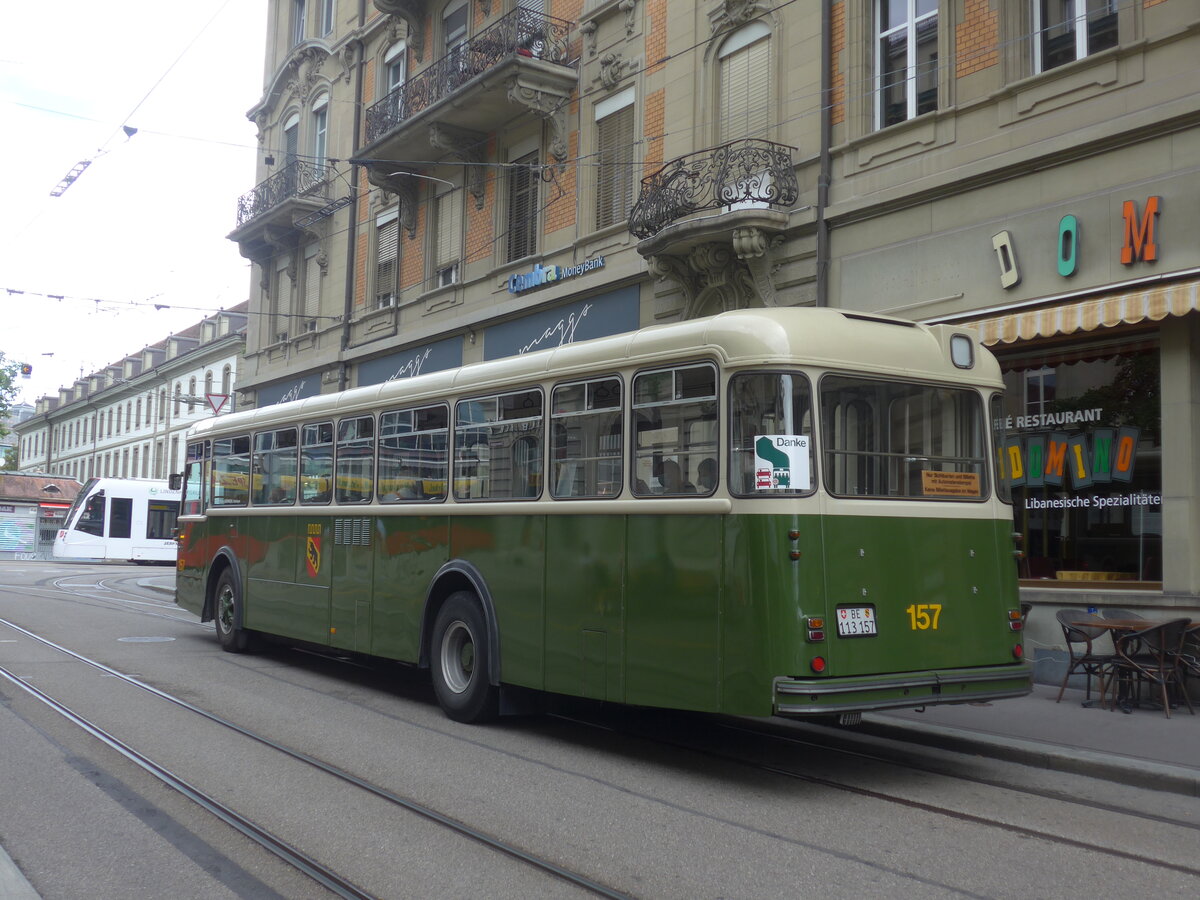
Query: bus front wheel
227, 609
460, 656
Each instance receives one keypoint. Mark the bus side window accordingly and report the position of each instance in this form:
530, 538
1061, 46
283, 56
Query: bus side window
316, 463
355, 465
275, 467
91, 520
676, 415
498, 447
585, 439
231, 471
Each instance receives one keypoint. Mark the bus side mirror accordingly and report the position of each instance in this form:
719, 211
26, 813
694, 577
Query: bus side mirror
175, 481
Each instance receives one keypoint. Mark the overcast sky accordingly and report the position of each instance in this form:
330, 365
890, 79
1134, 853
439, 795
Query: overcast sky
145, 224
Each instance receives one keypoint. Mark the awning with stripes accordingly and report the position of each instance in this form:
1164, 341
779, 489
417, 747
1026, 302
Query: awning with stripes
1128, 308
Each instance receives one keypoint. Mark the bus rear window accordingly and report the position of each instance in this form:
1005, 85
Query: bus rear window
901, 440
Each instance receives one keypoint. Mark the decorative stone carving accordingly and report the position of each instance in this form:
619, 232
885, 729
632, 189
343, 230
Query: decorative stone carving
629, 7
550, 106
413, 13
712, 279
734, 13
589, 29
614, 68
403, 185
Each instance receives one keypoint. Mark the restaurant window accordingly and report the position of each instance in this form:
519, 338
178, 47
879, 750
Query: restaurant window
1084, 461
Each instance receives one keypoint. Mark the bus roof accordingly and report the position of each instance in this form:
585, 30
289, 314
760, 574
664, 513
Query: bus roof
834, 339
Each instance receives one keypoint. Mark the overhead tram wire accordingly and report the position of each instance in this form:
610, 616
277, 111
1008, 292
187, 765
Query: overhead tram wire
125, 128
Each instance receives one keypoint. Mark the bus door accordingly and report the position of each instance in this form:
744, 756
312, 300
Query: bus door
352, 556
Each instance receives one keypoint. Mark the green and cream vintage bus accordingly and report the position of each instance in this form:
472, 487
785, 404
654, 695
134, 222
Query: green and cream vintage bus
789, 511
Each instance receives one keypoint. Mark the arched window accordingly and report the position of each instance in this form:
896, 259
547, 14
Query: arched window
226, 380
744, 74
138, 418
178, 395
191, 397
208, 382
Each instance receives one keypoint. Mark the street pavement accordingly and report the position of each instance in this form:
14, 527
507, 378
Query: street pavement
1142, 748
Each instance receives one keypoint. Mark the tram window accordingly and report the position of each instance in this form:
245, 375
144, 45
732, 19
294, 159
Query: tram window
195, 478
355, 460
231, 471
1000, 443
893, 439
585, 439
775, 408
120, 517
675, 421
91, 520
160, 519
413, 454
316, 463
498, 447
275, 467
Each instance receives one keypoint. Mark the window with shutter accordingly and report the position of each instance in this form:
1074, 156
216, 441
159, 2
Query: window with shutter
743, 107
449, 237
386, 258
615, 160
522, 207
312, 288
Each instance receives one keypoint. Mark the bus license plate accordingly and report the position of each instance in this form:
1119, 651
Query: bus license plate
855, 621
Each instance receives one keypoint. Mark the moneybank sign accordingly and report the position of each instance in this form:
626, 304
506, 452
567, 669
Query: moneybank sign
542, 275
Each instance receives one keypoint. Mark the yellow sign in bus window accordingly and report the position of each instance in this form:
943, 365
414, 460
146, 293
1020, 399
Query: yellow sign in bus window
949, 484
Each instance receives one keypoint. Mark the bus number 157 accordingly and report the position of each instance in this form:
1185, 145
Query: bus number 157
924, 616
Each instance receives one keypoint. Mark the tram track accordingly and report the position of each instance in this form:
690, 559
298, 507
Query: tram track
740, 730
269, 840
698, 748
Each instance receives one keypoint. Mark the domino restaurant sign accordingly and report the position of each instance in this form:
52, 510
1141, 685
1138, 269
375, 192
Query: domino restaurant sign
542, 275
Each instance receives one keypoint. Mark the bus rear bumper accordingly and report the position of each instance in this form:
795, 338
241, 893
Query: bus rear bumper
821, 696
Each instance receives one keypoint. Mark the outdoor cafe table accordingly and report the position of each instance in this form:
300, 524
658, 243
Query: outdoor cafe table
1121, 627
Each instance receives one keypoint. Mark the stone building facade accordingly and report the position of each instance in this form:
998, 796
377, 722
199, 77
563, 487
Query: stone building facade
446, 181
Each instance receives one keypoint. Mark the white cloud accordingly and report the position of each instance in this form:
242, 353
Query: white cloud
146, 223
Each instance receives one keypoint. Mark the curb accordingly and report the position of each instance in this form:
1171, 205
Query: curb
1127, 770
13, 884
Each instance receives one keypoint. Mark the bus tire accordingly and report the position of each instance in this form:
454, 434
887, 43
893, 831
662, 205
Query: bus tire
459, 656
227, 612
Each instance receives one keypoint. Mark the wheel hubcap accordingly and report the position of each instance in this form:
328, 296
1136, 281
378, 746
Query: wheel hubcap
458, 657
225, 609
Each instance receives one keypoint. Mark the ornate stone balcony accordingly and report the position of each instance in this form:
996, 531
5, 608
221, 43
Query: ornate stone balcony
266, 216
710, 221
453, 103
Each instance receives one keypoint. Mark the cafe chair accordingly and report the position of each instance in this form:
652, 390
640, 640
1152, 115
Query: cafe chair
1083, 656
1151, 657
1188, 658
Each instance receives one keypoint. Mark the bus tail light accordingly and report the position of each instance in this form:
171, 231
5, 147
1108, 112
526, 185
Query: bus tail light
816, 629
1018, 651
817, 664
1014, 620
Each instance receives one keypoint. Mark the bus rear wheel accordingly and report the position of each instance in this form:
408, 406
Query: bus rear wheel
460, 655
227, 612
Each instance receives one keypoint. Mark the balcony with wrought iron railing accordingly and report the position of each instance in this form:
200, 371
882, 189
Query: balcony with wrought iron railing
521, 51
299, 187
749, 174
